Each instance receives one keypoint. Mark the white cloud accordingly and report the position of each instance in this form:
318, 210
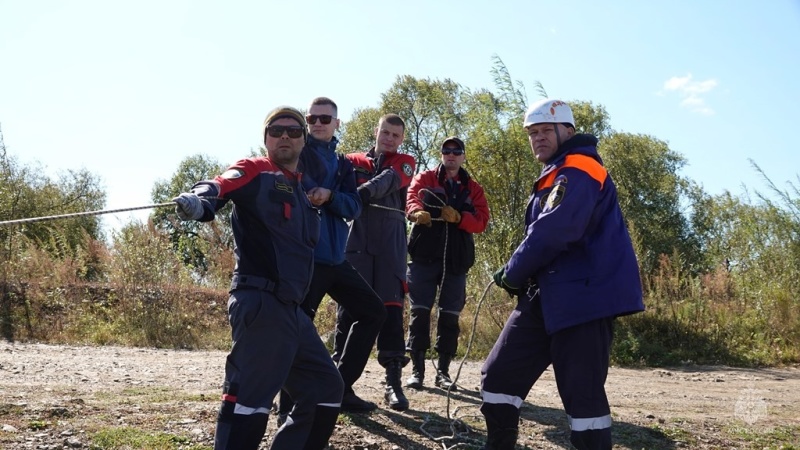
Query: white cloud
691, 92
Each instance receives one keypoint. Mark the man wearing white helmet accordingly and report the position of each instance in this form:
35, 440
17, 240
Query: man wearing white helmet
573, 274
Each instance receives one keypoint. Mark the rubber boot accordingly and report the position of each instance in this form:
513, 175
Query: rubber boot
417, 370
394, 390
443, 373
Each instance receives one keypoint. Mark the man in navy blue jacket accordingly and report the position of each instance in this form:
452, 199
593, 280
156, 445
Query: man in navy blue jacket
573, 274
330, 181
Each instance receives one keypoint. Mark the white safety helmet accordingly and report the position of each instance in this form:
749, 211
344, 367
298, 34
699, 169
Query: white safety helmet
549, 111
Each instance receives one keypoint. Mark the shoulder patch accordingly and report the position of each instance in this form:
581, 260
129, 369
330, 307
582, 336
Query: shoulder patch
232, 174
555, 196
407, 169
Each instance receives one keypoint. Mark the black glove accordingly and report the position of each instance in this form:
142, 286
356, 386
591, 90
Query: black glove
365, 196
189, 206
500, 280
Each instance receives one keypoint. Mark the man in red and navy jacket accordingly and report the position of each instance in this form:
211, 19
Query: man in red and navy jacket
376, 245
458, 206
573, 274
275, 344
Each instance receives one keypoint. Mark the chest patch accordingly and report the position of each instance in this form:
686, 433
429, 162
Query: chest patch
407, 169
284, 187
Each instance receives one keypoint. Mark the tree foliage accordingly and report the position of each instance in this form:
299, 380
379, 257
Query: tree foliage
358, 134
200, 245
26, 192
645, 171
432, 110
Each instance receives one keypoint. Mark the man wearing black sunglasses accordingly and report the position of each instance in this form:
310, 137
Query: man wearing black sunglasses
442, 251
376, 246
331, 184
275, 344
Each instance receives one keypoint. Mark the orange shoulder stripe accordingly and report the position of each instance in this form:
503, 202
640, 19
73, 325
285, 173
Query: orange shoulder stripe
582, 162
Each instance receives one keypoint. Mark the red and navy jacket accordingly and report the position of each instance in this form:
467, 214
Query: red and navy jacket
576, 246
382, 232
429, 191
275, 227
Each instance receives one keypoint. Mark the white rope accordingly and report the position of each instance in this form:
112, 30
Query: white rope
87, 213
453, 421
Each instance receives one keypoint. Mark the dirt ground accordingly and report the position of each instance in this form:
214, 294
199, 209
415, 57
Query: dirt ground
54, 397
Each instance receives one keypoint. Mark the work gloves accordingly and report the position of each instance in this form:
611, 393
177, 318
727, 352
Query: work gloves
363, 192
500, 280
189, 206
421, 217
449, 214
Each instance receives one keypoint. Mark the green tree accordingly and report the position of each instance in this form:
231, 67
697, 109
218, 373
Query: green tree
198, 244
358, 134
591, 119
432, 110
645, 172
25, 192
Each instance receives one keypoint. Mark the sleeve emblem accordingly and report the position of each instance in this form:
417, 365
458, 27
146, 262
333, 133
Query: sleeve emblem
232, 174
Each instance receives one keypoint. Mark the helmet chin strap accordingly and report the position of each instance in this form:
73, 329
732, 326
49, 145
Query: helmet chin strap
558, 139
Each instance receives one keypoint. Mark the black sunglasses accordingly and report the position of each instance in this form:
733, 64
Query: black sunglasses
454, 151
276, 131
323, 118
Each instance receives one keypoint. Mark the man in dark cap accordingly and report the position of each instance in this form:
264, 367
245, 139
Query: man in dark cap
447, 206
275, 344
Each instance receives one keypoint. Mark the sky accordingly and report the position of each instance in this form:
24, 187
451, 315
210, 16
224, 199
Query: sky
127, 90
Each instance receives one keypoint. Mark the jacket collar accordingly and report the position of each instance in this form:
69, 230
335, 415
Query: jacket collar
316, 143
441, 175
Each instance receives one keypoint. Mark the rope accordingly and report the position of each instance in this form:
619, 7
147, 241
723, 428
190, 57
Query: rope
87, 213
98, 212
439, 219
444, 267
453, 422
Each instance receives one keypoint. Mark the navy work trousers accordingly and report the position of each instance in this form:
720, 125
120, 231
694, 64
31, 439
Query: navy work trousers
423, 280
275, 345
579, 356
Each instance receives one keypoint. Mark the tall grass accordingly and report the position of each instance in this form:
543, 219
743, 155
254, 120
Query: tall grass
140, 294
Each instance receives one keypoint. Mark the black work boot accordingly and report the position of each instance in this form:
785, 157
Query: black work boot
443, 373
500, 438
352, 403
394, 390
417, 370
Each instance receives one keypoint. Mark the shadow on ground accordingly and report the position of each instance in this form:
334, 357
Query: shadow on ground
417, 430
